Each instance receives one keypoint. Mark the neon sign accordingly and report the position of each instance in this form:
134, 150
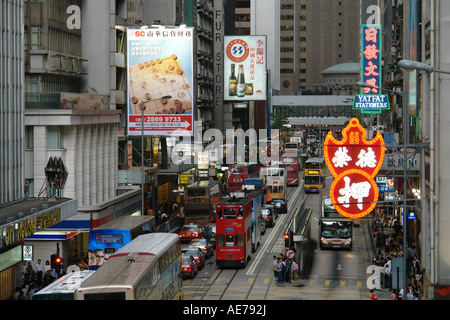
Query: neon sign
354, 162
371, 100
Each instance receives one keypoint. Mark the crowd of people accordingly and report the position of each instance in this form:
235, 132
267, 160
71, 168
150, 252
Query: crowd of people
388, 236
284, 269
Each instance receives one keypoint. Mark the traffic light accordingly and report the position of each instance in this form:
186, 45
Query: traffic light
289, 239
55, 261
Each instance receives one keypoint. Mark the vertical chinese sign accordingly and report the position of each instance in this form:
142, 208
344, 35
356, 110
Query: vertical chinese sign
245, 67
371, 100
354, 162
160, 79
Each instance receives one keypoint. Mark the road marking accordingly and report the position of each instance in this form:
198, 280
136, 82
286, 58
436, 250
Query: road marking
262, 251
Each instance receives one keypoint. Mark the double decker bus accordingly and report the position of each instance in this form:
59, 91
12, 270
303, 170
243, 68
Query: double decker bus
233, 232
238, 173
290, 162
200, 199
276, 182
147, 268
335, 231
113, 235
314, 174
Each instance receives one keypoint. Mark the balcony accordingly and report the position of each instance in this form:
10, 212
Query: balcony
66, 100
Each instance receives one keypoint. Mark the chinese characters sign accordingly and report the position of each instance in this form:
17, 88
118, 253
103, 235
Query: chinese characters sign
371, 100
354, 163
245, 68
160, 79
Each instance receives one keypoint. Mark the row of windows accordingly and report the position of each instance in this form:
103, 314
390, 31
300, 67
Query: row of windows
314, 111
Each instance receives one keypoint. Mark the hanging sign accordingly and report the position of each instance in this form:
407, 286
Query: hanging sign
371, 100
354, 162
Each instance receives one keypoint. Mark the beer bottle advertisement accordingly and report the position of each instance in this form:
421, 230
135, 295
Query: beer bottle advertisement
248, 54
233, 82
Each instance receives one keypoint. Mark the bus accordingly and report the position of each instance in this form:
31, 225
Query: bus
276, 182
291, 163
200, 199
335, 231
109, 237
314, 175
238, 173
64, 288
292, 147
147, 268
233, 232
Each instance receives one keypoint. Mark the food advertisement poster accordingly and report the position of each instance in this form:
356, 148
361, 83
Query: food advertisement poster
245, 68
160, 80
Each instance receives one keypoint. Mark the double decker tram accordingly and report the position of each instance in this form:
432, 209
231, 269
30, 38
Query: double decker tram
290, 162
314, 174
238, 173
276, 182
233, 232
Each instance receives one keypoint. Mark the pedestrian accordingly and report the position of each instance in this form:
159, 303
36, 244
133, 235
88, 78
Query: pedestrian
39, 270
294, 269
275, 265
373, 295
393, 295
287, 270
47, 266
280, 270
388, 273
417, 267
29, 273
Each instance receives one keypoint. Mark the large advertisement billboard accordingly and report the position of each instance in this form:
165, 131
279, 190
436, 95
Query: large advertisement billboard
160, 80
245, 68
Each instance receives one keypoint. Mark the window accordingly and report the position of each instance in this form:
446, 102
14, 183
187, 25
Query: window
35, 37
29, 137
54, 137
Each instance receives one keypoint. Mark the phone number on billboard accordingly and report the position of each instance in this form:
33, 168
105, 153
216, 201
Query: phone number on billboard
161, 119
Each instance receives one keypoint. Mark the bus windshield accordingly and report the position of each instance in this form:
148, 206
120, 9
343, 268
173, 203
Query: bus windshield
336, 229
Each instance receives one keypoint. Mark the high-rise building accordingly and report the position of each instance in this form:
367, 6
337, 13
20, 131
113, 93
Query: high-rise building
11, 101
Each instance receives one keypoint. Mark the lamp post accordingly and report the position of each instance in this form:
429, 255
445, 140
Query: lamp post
142, 149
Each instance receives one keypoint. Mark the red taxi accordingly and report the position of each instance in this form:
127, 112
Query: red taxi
188, 266
190, 232
198, 255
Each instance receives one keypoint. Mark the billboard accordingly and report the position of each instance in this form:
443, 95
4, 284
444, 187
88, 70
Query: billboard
245, 68
160, 80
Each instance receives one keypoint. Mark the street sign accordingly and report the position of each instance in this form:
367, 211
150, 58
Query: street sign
290, 254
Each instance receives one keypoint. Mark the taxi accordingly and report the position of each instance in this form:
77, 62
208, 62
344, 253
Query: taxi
190, 232
189, 267
197, 253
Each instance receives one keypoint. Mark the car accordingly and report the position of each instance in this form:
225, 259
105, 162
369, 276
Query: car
203, 244
190, 231
209, 232
269, 215
279, 205
188, 266
263, 225
198, 255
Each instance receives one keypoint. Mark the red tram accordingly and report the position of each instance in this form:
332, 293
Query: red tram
233, 232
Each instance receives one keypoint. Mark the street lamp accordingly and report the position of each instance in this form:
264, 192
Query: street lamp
142, 149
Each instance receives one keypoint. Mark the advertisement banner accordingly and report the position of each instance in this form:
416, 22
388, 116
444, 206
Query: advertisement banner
160, 79
245, 68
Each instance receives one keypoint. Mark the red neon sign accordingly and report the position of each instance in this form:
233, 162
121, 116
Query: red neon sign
354, 162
